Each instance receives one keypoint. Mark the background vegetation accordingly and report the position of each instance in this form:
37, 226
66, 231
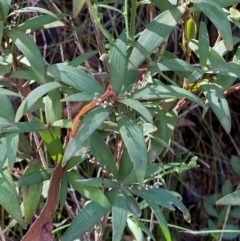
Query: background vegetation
193, 57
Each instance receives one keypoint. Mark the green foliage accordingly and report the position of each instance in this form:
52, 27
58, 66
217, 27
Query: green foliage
126, 134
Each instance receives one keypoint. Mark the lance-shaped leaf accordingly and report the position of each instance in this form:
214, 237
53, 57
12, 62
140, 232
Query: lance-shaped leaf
35, 177
163, 198
6, 59
88, 191
86, 219
139, 107
3, 151
42, 22
99, 182
134, 141
155, 33
203, 42
34, 9
12, 140
165, 91
31, 193
174, 65
218, 17
118, 63
26, 45
5, 7
1, 30
102, 153
87, 126
218, 103
81, 58
230, 199
6, 108
32, 98
22, 127
119, 215
224, 3
75, 78
9, 197
161, 220
53, 144
8, 92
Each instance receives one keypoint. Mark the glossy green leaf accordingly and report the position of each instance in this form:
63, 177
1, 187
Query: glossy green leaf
63, 191
1, 30
6, 108
173, 65
31, 193
35, 9
42, 22
35, 177
26, 45
216, 14
53, 108
165, 91
220, 47
88, 191
102, 153
134, 141
75, 78
83, 96
99, 182
230, 199
81, 58
126, 165
3, 151
119, 215
139, 107
5, 6
63, 123
53, 144
8, 92
12, 140
224, 81
9, 198
86, 219
165, 127
224, 3
218, 103
203, 40
215, 60
133, 206
163, 5
161, 220
155, 33
227, 187
118, 63
21, 74
135, 229
21, 127
235, 164
146, 231
163, 198
88, 125
33, 96
6, 60
209, 205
